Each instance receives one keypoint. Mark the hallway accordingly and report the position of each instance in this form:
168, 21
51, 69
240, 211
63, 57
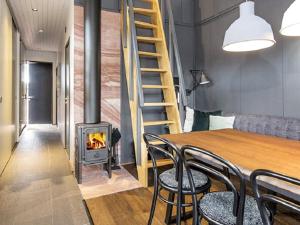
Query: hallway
37, 186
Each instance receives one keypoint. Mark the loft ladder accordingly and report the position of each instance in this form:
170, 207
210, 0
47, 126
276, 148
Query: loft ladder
133, 54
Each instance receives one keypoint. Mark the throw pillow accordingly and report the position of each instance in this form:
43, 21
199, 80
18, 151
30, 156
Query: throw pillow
189, 120
201, 120
221, 122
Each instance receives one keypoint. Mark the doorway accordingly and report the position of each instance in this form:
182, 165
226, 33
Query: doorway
39, 93
67, 97
23, 96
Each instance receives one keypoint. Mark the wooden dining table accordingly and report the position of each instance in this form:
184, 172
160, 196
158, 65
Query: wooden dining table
250, 151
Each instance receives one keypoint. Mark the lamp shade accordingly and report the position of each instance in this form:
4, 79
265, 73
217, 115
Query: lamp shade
249, 32
291, 20
204, 79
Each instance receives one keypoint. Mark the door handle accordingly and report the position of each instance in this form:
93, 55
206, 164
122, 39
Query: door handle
67, 100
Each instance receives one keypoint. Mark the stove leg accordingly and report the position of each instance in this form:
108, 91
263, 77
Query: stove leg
108, 167
79, 172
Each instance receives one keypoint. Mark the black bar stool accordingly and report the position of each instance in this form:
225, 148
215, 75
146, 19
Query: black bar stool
175, 180
265, 201
232, 207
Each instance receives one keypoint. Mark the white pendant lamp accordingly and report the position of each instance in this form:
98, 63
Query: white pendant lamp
291, 20
249, 32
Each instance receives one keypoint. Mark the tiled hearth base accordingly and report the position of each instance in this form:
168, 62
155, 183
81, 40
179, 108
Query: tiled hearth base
96, 182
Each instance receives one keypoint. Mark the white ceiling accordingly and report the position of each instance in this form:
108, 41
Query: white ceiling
51, 17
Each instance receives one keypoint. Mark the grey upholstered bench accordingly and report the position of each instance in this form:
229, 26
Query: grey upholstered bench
268, 125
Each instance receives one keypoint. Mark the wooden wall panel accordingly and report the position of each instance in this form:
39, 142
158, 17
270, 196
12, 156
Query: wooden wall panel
79, 63
110, 71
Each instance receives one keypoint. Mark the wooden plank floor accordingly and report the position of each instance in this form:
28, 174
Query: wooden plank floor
132, 208
126, 208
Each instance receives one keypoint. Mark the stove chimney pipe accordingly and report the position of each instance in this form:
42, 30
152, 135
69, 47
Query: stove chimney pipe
92, 63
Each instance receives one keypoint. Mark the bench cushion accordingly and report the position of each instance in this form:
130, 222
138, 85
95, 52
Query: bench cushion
218, 206
168, 178
268, 125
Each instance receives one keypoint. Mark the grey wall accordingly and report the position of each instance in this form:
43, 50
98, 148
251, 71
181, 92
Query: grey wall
184, 16
263, 82
112, 5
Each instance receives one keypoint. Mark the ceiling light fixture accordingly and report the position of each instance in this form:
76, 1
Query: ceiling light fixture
291, 20
41, 30
35, 9
249, 32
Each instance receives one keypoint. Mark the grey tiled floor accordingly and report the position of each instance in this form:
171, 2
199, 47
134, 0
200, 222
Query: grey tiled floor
37, 186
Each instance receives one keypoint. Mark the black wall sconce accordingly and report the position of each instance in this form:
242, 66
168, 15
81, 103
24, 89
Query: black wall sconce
197, 80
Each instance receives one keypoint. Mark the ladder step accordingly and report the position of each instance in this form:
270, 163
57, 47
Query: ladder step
149, 54
155, 86
144, 11
145, 25
152, 70
160, 162
158, 104
148, 39
156, 123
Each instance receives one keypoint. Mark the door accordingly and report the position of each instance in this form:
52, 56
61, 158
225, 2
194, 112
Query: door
40, 93
67, 97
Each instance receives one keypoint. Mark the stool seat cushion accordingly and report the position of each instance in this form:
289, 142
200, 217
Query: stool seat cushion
169, 178
218, 206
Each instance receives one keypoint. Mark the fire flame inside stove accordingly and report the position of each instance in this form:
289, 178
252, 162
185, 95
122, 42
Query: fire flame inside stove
96, 141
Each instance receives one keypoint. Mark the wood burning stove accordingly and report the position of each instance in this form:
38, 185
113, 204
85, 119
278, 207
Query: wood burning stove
93, 147
93, 137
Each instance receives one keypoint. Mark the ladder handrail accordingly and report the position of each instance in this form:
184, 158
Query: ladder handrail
131, 36
174, 46
130, 42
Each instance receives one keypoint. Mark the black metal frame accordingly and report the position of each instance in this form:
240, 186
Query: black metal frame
173, 153
92, 62
239, 195
264, 199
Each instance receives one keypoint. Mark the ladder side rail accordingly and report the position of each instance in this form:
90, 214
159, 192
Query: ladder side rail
126, 41
140, 97
124, 25
171, 49
162, 11
176, 51
131, 65
139, 135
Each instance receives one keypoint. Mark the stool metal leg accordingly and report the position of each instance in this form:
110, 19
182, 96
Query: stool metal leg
154, 200
179, 203
183, 208
169, 208
179, 194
